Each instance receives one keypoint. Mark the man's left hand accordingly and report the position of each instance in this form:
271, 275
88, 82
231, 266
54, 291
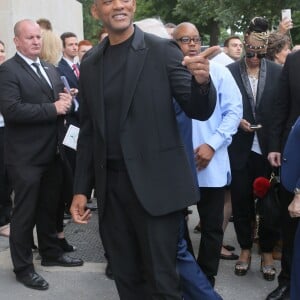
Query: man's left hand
294, 207
203, 155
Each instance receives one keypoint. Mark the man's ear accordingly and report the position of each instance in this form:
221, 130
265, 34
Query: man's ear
94, 12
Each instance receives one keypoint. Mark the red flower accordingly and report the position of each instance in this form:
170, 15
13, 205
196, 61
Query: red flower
261, 186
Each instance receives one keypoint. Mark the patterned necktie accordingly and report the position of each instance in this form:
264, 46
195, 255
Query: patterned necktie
76, 70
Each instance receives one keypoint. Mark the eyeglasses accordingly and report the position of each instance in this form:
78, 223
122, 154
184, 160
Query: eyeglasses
187, 40
258, 55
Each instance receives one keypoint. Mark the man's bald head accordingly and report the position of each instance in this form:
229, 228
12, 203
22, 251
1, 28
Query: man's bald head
187, 36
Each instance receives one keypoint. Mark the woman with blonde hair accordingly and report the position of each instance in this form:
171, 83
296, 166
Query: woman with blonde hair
51, 47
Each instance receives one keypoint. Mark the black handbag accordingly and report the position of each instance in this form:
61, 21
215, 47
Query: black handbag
268, 207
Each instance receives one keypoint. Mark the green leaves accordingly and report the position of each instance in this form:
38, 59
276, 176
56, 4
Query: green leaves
212, 17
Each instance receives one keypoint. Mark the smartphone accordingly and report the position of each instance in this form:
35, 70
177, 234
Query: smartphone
66, 83
286, 13
255, 126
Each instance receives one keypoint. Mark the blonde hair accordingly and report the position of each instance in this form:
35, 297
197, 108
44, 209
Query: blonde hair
51, 47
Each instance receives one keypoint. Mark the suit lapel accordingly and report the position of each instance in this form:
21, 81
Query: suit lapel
96, 77
51, 78
73, 80
261, 81
135, 63
34, 76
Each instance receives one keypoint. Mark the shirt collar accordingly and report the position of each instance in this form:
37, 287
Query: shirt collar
29, 61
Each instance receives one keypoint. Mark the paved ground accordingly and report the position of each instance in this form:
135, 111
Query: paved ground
90, 283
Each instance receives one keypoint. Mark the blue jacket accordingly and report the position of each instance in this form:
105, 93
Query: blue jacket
290, 169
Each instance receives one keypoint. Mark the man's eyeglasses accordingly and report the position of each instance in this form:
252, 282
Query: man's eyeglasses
258, 55
188, 40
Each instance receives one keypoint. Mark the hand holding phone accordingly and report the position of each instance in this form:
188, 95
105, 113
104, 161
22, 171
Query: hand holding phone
255, 126
286, 14
66, 83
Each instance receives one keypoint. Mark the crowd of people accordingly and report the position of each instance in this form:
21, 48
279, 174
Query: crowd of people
155, 125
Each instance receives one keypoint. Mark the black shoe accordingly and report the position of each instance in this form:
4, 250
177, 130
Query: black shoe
229, 247
231, 256
282, 292
62, 261
34, 281
108, 272
65, 246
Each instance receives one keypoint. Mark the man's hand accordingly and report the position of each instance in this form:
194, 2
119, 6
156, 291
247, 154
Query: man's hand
294, 207
63, 103
285, 25
79, 214
274, 159
203, 155
199, 65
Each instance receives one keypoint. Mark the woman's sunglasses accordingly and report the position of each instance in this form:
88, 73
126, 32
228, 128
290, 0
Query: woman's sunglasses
258, 55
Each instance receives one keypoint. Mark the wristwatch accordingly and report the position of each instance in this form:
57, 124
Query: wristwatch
297, 191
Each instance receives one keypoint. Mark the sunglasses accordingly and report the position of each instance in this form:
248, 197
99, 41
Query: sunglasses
258, 55
187, 40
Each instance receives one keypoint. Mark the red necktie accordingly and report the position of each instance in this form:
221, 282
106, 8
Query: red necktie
76, 70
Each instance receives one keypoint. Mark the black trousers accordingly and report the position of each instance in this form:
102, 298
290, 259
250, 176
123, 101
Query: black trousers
141, 248
289, 228
242, 200
211, 212
5, 189
66, 192
36, 199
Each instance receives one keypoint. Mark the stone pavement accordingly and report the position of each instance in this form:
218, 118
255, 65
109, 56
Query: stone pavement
90, 283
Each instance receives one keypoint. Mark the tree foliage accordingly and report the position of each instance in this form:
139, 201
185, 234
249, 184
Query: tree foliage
216, 19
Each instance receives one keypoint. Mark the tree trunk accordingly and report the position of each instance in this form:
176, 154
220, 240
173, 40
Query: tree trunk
214, 32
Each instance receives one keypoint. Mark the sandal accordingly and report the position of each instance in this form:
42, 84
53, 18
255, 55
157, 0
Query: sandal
268, 271
241, 268
5, 230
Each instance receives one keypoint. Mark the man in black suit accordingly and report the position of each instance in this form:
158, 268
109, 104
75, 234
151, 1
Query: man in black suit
33, 104
285, 112
129, 140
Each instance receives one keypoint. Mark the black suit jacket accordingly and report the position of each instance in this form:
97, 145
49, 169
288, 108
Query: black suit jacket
30, 116
262, 113
65, 70
152, 148
287, 107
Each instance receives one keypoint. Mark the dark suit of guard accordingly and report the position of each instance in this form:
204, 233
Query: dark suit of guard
290, 178
153, 178
31, 158
285, 112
